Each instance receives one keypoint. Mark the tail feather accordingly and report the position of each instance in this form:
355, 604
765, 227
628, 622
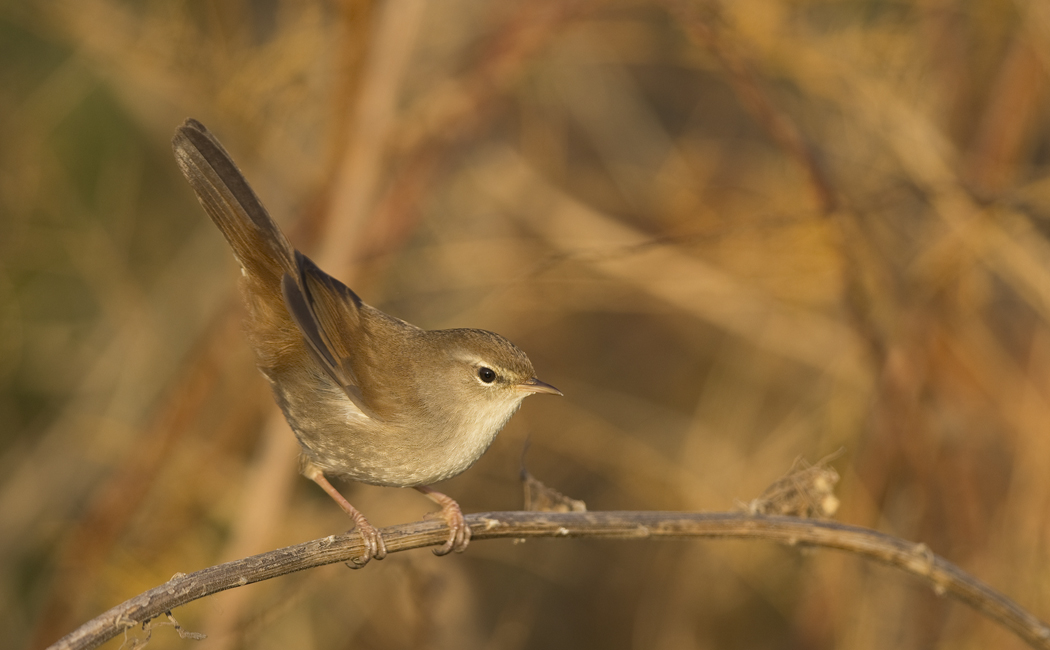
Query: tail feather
257, 241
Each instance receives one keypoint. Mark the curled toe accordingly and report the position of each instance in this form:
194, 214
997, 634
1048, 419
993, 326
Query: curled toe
375, 546
458, 530
458, 534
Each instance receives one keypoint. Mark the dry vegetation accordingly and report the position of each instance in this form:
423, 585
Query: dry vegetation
732, 235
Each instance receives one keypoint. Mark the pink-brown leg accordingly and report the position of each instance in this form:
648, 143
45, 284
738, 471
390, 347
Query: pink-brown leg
375, 547
459, 531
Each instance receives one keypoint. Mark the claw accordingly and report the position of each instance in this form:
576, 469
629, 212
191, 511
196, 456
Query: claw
459, 531
375, 547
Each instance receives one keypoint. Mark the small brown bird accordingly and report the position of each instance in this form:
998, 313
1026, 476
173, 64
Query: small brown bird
369, 396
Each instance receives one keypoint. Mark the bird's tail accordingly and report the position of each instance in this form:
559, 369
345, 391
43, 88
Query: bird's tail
257, 241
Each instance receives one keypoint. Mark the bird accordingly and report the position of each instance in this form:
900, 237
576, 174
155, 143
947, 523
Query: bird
370, 397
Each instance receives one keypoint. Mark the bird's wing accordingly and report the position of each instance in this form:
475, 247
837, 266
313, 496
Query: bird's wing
328, 313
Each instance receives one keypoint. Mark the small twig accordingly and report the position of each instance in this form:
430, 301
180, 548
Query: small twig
917, 559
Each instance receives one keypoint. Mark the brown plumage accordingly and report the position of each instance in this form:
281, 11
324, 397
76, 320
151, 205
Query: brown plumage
369, 396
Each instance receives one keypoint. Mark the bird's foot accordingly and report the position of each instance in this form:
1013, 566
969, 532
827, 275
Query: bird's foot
375, 547
459, 531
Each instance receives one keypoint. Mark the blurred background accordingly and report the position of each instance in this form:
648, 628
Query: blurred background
732, 234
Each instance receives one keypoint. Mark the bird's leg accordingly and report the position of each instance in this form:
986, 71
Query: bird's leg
459, 531
375, 547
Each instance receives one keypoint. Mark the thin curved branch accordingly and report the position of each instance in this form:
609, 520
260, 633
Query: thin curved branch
944, 577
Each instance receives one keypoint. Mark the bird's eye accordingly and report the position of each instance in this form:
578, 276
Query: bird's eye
487, 375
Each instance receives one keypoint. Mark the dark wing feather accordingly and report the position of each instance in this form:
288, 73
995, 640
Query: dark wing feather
328, 313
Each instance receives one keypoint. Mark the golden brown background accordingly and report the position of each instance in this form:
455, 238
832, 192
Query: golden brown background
731, 234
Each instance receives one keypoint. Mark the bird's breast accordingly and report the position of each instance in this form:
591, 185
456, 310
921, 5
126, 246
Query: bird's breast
413, 447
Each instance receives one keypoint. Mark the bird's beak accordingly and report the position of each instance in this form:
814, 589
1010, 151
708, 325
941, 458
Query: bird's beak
536, 386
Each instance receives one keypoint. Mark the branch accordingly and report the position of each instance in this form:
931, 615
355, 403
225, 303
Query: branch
917, 559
